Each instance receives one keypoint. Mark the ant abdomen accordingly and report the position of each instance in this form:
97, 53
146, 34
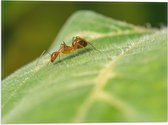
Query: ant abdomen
54, 56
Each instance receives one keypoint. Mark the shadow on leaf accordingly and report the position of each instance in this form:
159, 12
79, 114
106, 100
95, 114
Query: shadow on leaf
74, 55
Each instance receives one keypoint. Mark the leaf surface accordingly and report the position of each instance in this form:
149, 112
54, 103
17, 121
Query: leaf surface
126, 81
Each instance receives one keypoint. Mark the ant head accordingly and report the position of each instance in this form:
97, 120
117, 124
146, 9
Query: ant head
79, 42
75, 41
54, 56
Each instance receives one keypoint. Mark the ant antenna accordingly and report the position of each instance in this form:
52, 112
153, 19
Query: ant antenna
94, 47
48, 53
63, 42
40, 56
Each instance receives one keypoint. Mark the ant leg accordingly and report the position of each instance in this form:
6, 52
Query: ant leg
59, 57
85, 48
62, 44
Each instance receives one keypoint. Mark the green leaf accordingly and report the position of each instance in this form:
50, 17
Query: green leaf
126, 81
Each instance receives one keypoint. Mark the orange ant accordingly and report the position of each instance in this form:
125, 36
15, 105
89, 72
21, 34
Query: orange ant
77, 43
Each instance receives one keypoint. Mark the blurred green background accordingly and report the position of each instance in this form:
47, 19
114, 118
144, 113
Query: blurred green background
28, 28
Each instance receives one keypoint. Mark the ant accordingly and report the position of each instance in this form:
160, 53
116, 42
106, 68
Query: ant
77, 43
